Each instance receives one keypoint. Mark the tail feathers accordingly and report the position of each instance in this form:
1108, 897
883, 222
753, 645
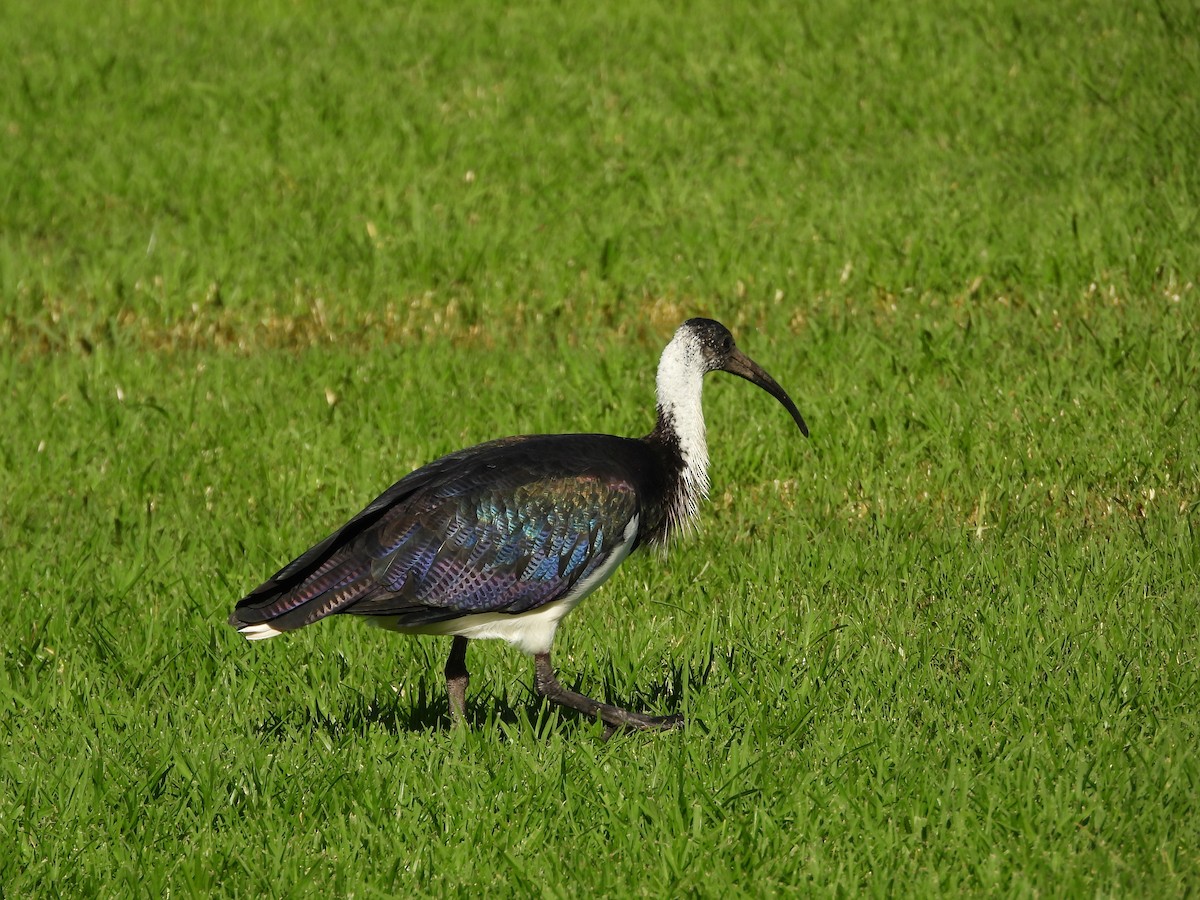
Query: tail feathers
269, 611
259, 632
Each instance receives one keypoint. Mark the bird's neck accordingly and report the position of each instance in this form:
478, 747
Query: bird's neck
680, 427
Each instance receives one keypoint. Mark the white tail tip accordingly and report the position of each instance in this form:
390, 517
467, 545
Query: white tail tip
259, 632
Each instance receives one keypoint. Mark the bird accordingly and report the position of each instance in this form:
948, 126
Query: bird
503, 539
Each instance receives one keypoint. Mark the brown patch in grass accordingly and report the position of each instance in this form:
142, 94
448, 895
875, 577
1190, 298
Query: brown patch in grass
305, 321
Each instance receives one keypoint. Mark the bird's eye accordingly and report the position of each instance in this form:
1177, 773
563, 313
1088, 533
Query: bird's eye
726, 344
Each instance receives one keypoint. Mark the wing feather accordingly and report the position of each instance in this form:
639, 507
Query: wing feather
490, 531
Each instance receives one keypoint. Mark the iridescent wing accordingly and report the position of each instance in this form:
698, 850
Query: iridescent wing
501, 528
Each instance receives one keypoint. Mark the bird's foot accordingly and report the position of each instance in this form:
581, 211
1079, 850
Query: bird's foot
613, 717
643, 723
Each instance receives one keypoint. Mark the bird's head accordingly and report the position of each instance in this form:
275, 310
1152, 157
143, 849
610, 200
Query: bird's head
716, 348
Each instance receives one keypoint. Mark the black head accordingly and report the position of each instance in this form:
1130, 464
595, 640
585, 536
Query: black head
720, 352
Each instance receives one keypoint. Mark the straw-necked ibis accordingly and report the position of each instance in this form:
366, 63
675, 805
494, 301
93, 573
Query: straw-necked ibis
502, 540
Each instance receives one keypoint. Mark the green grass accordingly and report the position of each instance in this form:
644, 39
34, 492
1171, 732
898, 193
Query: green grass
259, 260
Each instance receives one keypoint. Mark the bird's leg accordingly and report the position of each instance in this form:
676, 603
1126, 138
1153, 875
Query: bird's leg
612, 716
457, 679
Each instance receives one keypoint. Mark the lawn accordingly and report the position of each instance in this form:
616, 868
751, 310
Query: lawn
259, 260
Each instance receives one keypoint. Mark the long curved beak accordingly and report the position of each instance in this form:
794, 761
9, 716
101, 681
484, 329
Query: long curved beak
744, 367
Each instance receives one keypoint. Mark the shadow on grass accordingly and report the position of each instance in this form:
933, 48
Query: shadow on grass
428, 710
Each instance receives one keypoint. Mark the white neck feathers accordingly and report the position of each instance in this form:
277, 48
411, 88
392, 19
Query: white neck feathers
680, 379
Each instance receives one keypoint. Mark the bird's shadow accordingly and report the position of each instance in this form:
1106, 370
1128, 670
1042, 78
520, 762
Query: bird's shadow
425, 709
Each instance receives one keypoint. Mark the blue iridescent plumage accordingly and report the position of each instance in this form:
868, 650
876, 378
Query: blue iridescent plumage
486, 530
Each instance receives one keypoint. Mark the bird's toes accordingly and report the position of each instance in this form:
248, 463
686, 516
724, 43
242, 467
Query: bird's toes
639, 722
